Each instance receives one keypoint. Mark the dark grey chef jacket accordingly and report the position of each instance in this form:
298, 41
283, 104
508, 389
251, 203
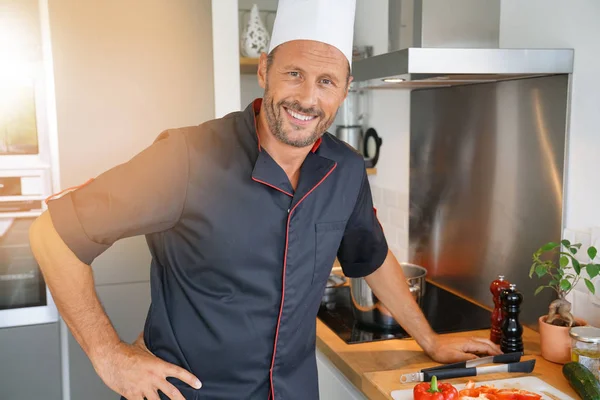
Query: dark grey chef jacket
239, 259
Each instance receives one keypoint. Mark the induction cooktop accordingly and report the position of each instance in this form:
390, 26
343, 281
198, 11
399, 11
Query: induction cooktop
445, 312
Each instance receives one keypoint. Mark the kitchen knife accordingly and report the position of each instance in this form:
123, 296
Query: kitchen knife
525, 366
499, 359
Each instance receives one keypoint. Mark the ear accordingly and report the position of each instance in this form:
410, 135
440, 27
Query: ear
262, 70
348, 86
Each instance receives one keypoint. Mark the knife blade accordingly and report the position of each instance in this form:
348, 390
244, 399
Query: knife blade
524, 366
499, 359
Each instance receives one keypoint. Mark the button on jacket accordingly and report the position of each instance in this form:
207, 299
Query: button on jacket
239, 258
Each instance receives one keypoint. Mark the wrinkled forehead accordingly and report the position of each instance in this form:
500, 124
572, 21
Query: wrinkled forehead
309, 53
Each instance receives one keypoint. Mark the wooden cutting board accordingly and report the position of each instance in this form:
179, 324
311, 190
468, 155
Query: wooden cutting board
530, 383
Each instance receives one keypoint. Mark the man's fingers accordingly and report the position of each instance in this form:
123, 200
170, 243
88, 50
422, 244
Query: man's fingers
465, 356
488, 342
475, 346
170, 391
151, 395
184, 376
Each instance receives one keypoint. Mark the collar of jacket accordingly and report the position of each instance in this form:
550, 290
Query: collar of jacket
315, 168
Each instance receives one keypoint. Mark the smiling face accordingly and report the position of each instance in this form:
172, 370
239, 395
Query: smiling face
305, 83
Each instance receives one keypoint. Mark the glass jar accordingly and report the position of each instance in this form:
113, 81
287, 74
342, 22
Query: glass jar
585, 347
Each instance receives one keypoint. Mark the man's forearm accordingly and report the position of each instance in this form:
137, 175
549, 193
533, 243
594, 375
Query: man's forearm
389, 285
71, 283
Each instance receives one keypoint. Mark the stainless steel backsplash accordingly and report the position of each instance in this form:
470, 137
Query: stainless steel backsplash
486, 183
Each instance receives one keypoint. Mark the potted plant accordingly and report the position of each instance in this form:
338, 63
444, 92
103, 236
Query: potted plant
562, 278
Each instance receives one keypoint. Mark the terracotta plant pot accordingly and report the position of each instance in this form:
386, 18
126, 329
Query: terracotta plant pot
555, 341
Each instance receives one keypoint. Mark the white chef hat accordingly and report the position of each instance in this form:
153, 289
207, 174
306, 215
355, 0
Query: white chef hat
327, 21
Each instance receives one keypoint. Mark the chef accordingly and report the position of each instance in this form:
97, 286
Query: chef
244, 217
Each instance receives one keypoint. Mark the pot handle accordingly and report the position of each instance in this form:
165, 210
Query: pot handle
414, 289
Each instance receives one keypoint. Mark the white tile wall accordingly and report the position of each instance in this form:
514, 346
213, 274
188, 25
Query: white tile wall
392, 211
585, 304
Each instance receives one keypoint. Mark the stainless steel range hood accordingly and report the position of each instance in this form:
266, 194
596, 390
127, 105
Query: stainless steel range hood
452, 42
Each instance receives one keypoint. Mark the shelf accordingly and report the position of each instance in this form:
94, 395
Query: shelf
248, 65
21, 214
371, 171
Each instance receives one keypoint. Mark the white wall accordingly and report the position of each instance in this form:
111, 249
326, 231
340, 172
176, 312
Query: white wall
226, 58
124, 72
573, 24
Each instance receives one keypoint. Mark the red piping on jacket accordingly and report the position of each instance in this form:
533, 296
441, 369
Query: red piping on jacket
273, 186
67, 190
287, 228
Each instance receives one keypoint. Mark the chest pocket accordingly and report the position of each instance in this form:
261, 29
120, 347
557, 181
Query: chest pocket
328, 236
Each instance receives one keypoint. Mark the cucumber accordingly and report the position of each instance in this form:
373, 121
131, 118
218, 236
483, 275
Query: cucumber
582, 380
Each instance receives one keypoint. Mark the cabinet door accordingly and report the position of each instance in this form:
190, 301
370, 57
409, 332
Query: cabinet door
333, 385
30, 362
126, 306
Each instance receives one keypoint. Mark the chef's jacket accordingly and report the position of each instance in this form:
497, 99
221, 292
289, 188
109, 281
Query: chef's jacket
240, 259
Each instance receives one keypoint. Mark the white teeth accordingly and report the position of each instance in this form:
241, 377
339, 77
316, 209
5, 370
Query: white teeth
300, 116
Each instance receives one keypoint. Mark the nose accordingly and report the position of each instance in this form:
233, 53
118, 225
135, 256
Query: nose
307, 95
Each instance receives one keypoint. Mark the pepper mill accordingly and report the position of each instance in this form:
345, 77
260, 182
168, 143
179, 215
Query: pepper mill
498, 314
512, 330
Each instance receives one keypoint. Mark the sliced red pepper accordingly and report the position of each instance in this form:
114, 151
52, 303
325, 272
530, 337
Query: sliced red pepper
435, 391
516, 394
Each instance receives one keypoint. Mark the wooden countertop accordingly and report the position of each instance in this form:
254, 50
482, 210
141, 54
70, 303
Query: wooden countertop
375, 367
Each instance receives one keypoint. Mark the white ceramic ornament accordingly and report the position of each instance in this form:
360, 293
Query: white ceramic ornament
255, 37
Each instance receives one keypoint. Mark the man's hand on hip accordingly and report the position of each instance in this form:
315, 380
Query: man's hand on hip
137, 374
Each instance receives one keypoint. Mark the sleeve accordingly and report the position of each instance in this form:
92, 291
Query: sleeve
144, 195
363, 248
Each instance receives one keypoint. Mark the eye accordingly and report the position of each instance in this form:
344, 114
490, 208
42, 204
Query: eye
326, 81
294, 74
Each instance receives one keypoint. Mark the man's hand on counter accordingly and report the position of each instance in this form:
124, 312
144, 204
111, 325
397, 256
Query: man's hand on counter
446, 350
389, 285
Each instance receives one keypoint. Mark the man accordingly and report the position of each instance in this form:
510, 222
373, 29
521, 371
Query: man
244, 217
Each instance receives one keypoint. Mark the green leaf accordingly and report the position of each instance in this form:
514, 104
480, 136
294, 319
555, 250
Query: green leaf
573, 250
593, 270
565, 285
538, 290
540, 270
578, 245
550, 246
532, 269
590, 286
553, 282
564, 261
592, 252
576, 266
565, 243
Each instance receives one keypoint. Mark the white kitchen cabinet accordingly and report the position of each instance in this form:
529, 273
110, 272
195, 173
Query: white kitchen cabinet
30, 363
333, 385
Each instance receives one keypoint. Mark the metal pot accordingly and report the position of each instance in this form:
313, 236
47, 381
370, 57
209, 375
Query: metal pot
369, 311
333, 283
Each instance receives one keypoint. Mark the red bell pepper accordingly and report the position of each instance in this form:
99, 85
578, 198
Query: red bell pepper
516, 394
433, 391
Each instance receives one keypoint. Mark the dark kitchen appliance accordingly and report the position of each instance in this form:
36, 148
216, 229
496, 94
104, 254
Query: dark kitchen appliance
445, 312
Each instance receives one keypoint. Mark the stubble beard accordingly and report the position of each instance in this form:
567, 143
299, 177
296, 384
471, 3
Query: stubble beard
275, 119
